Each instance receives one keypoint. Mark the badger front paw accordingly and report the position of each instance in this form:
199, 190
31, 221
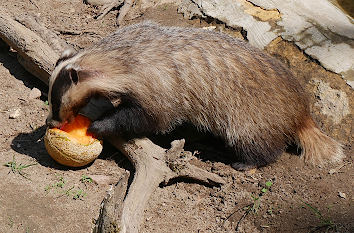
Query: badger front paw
102, 128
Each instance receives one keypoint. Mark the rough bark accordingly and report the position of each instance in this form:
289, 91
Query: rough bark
153, 165
34, 53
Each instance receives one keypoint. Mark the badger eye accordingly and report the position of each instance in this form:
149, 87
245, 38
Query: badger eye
73, 76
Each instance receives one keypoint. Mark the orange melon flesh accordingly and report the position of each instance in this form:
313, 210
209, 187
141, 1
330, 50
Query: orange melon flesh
72, 145
77, 130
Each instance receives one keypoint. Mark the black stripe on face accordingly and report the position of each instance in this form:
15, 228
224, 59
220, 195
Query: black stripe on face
61, 84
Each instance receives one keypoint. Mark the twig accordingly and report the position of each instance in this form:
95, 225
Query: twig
34, 3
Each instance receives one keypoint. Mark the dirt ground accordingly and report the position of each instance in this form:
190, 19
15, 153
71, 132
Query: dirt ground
286, 196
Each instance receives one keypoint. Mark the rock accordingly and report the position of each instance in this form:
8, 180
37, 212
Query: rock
210, 28
335, 170
318, 27
342, 195
189, 9
233, 14
332, 102
34, 94
15, 113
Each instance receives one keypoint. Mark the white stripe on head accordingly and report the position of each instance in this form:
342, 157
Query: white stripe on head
69, 63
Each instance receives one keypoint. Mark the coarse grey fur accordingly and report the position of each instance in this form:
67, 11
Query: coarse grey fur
160, 77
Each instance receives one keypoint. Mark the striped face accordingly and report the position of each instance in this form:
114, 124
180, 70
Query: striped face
63, 78
59, 87
70, 88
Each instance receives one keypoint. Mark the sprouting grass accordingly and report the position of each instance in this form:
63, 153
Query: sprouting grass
18, 168
79, 194
11, 222
85, 179
254, 206
325, 224
68, 192
60, 186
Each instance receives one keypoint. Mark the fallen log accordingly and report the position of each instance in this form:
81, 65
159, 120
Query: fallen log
122, 210
34, 53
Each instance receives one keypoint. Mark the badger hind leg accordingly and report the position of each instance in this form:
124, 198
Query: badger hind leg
318, 148
239, 166
260, 152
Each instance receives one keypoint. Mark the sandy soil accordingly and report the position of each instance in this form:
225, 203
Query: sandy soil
48, 197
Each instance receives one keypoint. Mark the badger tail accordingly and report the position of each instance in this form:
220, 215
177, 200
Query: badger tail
318, 148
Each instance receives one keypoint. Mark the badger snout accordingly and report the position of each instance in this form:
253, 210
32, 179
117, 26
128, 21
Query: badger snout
52, 123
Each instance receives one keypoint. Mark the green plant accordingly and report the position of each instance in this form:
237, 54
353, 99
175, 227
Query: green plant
59, 184
256, 199
85, 179
18, 168
254, 206
268, 184
11, 222
68, 192
325, 224
79, 194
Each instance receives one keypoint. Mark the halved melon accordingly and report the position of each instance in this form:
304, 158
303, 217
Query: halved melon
72, 145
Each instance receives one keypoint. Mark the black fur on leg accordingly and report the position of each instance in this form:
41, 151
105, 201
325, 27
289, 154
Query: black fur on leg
129, 120
242, 166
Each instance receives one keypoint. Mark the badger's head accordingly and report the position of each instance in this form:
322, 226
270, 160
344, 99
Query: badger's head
68, 89
85, 77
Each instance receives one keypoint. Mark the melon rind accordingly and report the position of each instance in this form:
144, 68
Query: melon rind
68, 152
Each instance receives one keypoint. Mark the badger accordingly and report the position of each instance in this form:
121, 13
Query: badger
158, 77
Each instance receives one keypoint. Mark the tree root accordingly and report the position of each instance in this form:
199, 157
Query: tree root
153, 165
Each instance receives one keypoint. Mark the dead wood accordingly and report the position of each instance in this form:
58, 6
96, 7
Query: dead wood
122, 210
108, 5
32, 23
124, 10
34, 53
153, 165
112, 203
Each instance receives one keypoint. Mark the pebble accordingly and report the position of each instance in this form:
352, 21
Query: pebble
15, 113
35, 93
342, 195
209, 28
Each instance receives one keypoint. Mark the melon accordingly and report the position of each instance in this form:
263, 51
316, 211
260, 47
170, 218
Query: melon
72, 145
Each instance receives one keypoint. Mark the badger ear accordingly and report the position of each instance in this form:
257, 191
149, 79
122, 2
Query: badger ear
77, 75
68, 53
